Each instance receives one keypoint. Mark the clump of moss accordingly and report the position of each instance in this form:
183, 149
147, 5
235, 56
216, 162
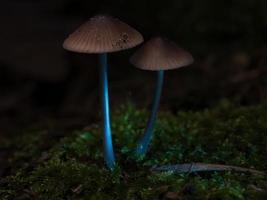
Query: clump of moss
73, 167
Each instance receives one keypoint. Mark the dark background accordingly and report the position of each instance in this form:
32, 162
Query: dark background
40, 81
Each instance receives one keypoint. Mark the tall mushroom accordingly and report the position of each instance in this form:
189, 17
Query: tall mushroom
158, 54
101, 35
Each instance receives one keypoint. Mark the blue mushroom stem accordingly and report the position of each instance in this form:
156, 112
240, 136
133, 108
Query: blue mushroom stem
144, 142
108, 146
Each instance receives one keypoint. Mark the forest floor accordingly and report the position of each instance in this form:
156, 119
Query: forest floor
44, 163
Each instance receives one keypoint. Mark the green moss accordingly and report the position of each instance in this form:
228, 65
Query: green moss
73, 168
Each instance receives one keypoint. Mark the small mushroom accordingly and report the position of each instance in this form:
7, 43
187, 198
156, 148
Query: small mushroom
158, 54
101, 35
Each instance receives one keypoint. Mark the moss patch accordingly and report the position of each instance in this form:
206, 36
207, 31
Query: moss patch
44, 168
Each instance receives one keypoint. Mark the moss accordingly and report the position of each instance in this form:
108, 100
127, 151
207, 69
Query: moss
73, 168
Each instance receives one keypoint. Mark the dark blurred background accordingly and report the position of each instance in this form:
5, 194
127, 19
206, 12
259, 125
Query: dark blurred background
39, 80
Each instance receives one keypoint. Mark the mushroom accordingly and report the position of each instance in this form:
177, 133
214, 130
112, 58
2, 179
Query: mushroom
158, 54
101, 35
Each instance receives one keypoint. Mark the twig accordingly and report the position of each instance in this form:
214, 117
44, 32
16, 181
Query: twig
202, 167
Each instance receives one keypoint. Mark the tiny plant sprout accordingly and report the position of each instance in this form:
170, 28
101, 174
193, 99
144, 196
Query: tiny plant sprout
101, 35
158, 54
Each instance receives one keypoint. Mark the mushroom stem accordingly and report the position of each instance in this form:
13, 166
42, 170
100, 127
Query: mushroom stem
144, 142
108, 146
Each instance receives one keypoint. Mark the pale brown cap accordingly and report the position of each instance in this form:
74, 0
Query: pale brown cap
161, 54
103, 34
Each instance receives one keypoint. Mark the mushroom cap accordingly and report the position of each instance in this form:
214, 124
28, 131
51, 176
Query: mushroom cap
161, 54
103, 34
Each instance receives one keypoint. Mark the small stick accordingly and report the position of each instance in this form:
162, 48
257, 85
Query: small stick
202, 167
